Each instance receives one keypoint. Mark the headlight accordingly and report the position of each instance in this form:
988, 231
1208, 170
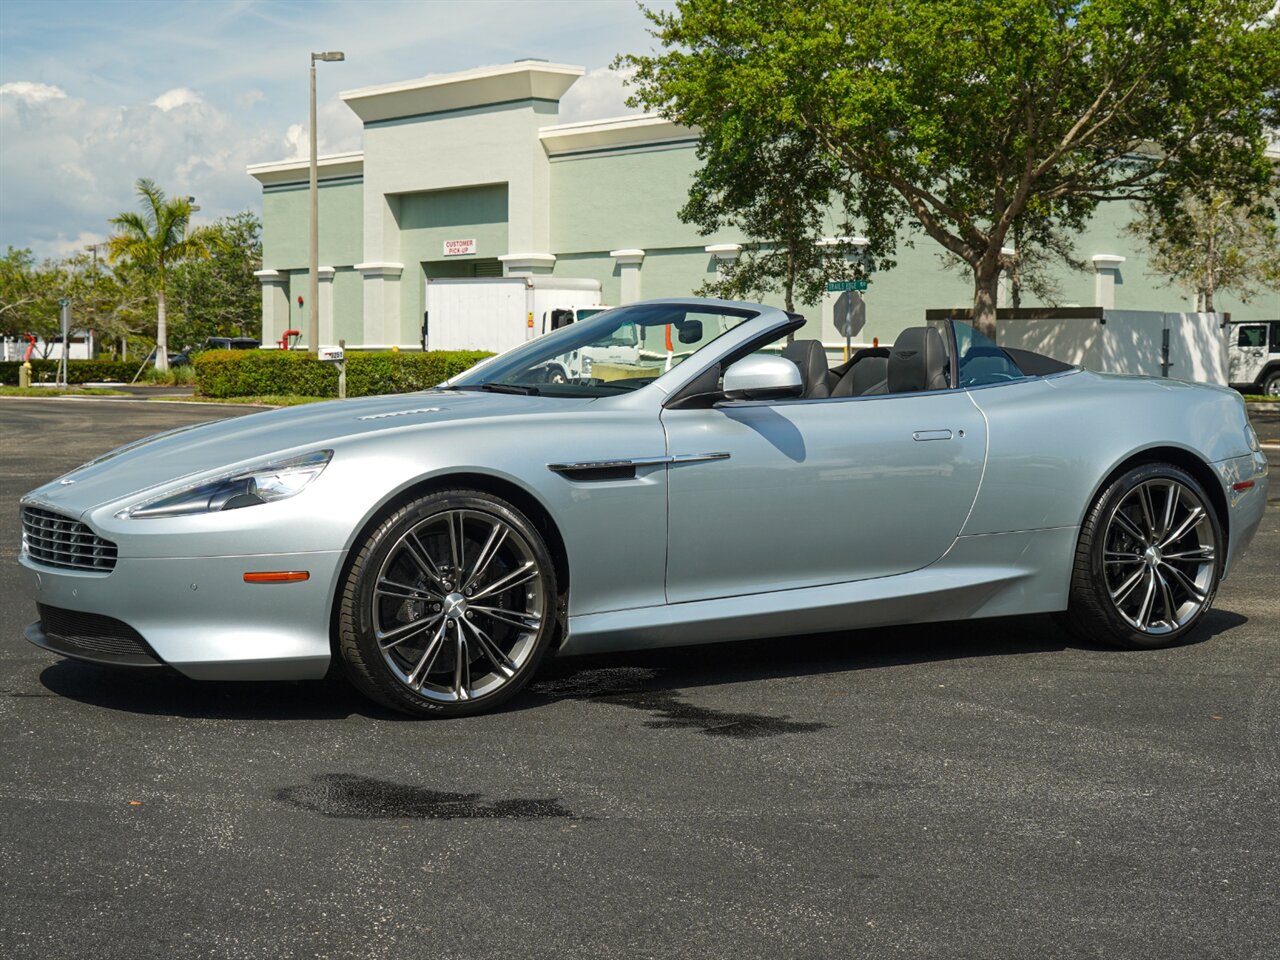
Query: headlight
245, 488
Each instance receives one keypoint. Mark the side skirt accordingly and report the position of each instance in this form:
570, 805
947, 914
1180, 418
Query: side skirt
993, 575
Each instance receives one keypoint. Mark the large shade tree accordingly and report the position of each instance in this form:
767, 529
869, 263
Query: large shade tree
968, 116
219, 295
153, 241
778, 191
1209, 243
28, 295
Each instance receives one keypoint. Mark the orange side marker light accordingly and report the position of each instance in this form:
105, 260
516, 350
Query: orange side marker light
1243, 485
277, 576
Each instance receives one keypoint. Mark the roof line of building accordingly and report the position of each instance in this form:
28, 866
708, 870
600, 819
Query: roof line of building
639, 131
522, 80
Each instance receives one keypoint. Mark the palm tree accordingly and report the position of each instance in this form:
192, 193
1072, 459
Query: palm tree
154, 239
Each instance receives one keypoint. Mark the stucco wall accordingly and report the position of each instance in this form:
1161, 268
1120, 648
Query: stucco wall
286, 225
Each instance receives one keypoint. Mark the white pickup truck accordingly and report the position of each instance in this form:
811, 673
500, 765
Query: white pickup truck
1253, 355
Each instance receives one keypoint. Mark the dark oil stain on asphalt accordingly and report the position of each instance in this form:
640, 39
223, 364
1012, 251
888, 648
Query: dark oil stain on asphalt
350, 796
625, 688
674, 713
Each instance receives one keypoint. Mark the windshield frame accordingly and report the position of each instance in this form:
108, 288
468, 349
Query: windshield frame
583, 333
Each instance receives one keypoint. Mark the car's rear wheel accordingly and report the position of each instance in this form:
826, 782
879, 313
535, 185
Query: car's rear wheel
449, 605
1148, 560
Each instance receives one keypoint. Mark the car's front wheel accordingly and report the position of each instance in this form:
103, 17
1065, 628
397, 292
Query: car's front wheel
1148, 560
449, 605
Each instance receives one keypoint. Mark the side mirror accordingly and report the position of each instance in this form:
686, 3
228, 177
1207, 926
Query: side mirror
762, 377
689, 331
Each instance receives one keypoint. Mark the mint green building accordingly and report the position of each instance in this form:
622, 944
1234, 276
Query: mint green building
471, 175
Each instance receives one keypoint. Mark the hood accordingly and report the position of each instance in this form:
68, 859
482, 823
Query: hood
209, 448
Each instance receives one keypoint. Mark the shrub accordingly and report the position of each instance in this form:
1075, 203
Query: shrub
251, 373
78, 371
181, 376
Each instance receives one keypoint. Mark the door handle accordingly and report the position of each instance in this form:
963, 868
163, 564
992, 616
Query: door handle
931, 435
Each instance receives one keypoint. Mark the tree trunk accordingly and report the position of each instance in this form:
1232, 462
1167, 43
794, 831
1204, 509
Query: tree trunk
788, 293
985, 291
162, 332
1207, 297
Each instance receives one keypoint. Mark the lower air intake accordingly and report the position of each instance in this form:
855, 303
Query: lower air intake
91, 636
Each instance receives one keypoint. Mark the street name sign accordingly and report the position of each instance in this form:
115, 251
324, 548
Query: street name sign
840, 286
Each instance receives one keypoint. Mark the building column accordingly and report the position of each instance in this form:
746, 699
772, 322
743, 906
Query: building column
275, 304
381, 283
527, 264
1106, 268
726, 255
1004, 292
628, 263
325, 276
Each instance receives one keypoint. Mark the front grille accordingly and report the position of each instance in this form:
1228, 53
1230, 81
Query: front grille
93, 636
59, 541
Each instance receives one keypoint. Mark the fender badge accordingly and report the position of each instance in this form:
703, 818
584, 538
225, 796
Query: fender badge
66, 481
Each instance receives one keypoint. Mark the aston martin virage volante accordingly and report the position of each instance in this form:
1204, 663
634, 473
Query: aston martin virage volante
668, 472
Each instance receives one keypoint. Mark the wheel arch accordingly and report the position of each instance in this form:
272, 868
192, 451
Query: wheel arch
1272, 367
1189, 461
518, 496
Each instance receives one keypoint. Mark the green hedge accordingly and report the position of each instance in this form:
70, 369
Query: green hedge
78, 371
254, 373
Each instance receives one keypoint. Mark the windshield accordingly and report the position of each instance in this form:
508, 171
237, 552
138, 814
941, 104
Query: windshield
613, 352
981, 361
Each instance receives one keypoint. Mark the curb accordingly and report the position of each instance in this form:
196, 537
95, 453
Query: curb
154, 401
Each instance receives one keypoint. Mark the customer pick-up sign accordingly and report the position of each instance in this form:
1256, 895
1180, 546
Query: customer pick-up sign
458, 248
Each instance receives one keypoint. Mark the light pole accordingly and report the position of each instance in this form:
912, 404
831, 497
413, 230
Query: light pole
313, 286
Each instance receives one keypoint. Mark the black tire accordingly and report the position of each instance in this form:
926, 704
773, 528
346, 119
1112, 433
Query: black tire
1110, 554
391, 593
1271, 384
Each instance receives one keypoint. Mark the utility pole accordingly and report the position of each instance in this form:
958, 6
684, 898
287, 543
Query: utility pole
313, 286
64, 314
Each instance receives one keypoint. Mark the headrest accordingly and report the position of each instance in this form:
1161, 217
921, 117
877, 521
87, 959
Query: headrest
918, 361
811, 358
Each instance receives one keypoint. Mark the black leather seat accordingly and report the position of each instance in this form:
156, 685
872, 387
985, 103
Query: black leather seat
917, 361
811, 358
868, 367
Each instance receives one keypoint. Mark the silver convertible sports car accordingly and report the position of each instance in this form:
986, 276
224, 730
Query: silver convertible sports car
669, 472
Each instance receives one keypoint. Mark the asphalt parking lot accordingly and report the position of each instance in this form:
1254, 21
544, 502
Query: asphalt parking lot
985, 789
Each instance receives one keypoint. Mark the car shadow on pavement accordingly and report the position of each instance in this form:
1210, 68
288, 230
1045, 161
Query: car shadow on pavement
590, 677
167, 693
641, 679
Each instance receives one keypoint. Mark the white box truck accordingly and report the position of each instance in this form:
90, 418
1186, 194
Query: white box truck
503, 312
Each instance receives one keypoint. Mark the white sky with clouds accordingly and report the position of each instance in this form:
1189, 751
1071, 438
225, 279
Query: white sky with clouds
94, 95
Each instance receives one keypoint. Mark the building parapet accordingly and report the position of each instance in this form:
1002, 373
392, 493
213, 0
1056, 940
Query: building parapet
447, 92
615, 133
335, 166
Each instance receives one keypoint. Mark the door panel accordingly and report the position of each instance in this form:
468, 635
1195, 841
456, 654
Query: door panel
1247, 352
817, 492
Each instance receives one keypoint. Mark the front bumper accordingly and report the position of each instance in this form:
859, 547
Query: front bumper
197, 614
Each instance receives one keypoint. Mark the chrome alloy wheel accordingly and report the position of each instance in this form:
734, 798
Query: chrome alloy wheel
458, 605
1160, 556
